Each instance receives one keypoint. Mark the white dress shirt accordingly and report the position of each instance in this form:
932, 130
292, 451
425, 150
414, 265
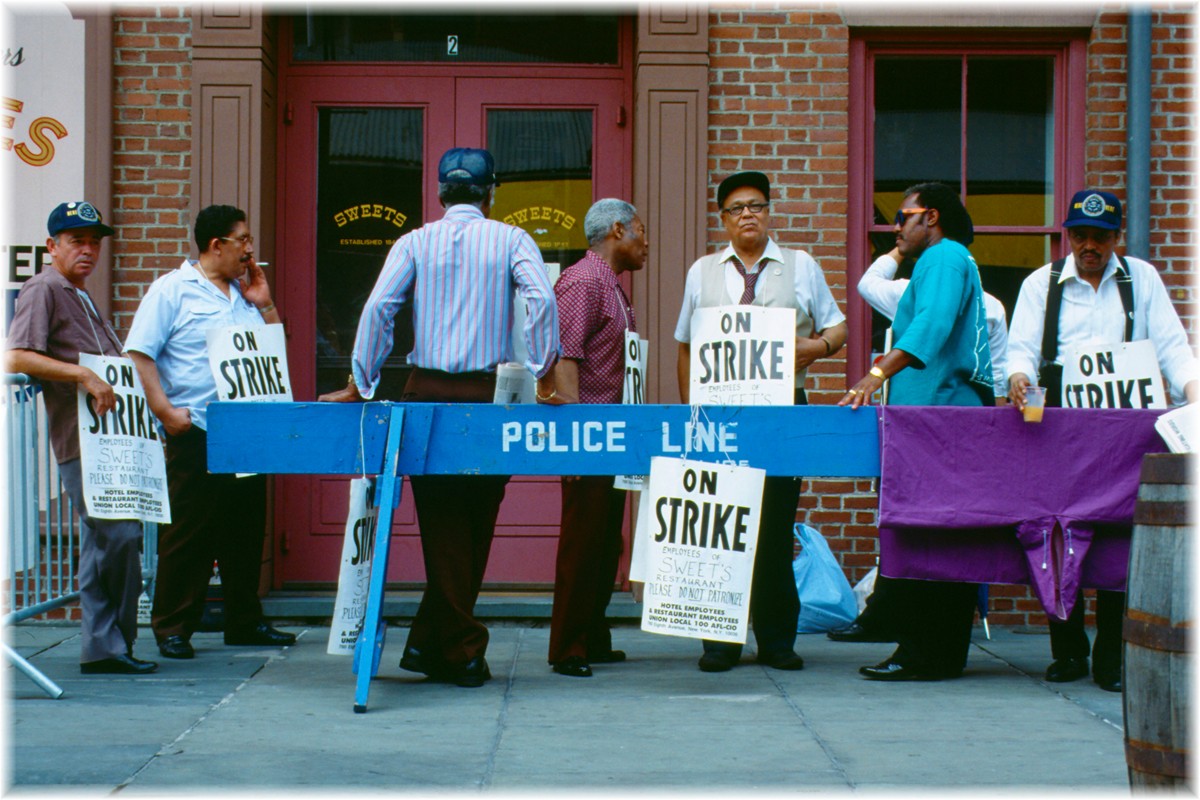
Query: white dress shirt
1096, 317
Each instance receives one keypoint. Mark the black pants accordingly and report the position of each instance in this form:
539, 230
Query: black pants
1069, 640
218, 518
774, 602
932, 623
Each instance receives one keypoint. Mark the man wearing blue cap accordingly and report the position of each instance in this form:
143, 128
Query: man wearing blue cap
1093, 297
55, 321
460, 274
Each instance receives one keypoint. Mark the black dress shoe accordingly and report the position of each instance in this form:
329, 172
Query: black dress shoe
608, 657
786, 659
1108, 679
1065, 670
573, 667
414, 660
472, 674
891, 671
176, 647
717, 662
118, 665
854, 632
262, 635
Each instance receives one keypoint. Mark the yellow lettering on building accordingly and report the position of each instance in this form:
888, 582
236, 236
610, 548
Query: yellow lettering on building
369, 211
45, 153
547, 213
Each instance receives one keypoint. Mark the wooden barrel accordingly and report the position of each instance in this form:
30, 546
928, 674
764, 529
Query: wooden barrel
1157, 627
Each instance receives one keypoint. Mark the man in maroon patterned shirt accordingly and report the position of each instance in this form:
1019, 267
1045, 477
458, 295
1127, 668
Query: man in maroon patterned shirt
594, 315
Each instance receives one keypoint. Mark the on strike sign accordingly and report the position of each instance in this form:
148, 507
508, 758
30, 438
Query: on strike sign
743, 356
250, 363
699, 544
122, 461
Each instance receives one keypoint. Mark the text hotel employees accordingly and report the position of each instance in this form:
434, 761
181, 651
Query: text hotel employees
753, 269
215, 517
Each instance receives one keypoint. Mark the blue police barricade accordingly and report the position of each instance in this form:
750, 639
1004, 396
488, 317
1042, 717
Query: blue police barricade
392, 440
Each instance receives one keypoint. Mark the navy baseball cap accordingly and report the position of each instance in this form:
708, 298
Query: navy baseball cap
78, 214
736, 181
1095, 209
469, 166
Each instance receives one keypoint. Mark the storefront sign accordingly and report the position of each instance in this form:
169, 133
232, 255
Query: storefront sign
123, 465
743, 356
250, 363
358, 547
699, 552
1113, 376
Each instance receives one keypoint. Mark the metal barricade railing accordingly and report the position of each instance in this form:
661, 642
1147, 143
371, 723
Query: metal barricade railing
42, 536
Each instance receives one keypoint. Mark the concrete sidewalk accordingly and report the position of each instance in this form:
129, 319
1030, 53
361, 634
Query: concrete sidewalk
272, 719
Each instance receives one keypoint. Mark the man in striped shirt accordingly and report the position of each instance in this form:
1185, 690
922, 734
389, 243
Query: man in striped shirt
461, 275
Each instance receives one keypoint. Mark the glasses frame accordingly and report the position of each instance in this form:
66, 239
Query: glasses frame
741, 208
242, 240
901, 218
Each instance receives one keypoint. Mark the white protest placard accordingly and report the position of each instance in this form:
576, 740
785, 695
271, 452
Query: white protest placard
354, 578
743, 356
703, 532
122, 460
633, 393
250, 363
1113, 376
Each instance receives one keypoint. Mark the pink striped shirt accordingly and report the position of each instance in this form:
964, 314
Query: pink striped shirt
460, 274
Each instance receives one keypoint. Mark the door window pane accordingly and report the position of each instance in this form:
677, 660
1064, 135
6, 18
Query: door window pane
918, 126
368, 194
1005, 260
542, 38
1010, 140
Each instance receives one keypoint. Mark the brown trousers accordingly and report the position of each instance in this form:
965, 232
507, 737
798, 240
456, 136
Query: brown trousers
457, 516
589, 549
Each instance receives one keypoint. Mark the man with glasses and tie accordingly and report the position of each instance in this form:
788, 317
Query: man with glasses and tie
754, 269
55, 321
218, 518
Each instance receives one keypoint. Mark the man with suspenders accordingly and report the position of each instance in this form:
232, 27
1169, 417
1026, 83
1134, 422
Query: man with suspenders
753, 269
1095, 297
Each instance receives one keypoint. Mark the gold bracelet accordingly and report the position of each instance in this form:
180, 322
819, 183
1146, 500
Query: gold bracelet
828, 345
553, 394
877, 372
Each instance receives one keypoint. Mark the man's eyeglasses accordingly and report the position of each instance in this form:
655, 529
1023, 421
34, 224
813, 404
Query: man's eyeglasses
736, 211
242, 240
903, 214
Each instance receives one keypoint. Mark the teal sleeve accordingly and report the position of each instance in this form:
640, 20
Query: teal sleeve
938, 287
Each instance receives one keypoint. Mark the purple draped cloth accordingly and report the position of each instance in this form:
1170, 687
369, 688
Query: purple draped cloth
979, 495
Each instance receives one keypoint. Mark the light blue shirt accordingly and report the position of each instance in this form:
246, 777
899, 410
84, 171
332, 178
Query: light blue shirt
942, 323
461, 274
171, 326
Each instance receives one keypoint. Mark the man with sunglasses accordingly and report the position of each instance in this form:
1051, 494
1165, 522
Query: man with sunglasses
754, 269
218, 518
940, 357
1081, 297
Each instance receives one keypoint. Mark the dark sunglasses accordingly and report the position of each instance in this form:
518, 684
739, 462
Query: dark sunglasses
903, 214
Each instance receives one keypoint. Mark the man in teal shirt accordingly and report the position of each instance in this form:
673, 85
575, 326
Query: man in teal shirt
940, 358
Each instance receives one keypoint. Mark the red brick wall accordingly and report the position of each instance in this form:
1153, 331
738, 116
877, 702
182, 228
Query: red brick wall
1172, 149
151, 148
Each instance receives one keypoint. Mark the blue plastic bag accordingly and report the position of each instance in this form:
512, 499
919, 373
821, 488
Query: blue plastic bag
826, 599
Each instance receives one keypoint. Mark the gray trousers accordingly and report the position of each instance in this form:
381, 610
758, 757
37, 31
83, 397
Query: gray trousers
109, 575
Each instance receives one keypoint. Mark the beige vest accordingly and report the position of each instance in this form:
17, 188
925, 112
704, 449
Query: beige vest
776, 288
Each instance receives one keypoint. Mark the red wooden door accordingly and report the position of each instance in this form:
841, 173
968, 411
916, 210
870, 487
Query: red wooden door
358, 166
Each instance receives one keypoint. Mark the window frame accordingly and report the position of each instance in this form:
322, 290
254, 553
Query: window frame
1068, 49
